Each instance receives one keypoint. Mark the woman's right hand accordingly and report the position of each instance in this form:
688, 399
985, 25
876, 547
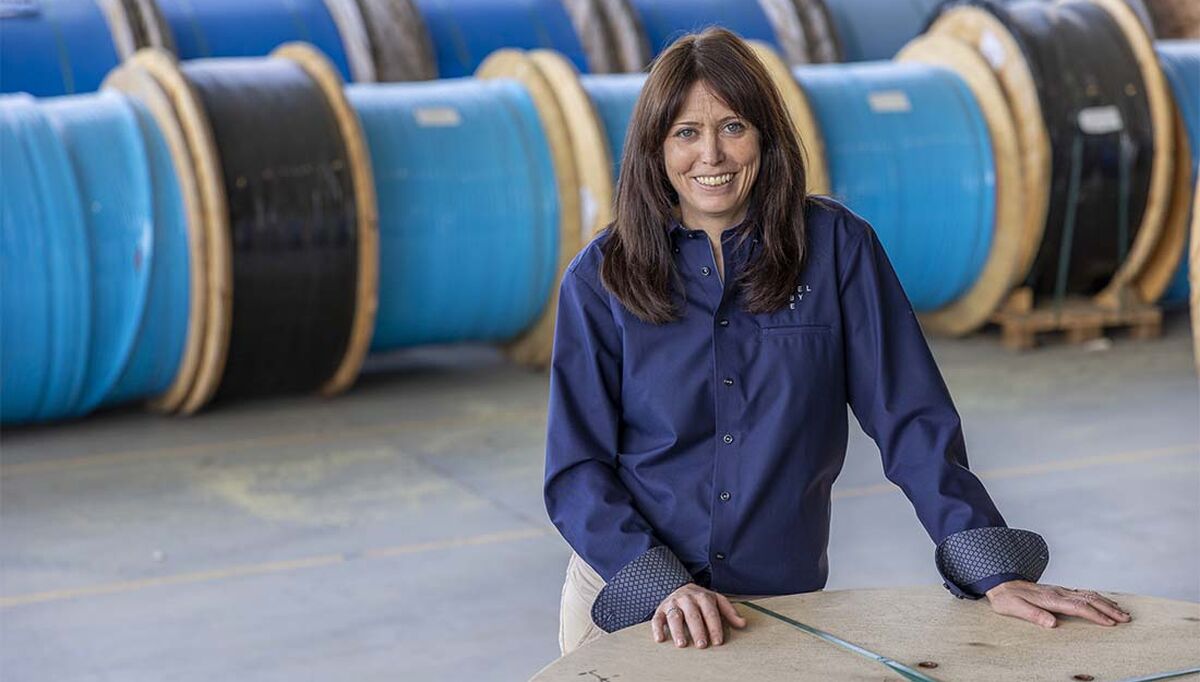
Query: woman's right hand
695, 610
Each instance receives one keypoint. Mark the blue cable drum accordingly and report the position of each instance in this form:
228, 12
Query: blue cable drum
252, 28
468, 209
54, 47
1180, 62
45, 309
613, 98
871, 30
103, 139
162, 334
664, 21
465, 32
909, 150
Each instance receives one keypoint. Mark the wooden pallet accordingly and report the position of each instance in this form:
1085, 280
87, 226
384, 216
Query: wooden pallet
1079, 319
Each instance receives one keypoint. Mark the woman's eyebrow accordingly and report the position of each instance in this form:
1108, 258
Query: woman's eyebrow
731, 117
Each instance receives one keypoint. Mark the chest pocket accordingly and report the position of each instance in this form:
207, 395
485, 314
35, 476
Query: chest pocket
784, 330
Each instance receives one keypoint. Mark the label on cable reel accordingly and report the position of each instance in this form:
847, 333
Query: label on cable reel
1100, 120
889, 102
992, 49
16, 9
438, 117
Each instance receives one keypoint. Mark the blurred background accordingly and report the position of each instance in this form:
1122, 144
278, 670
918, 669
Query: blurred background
279, 279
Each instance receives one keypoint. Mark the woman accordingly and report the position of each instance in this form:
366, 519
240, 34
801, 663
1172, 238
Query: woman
708, 343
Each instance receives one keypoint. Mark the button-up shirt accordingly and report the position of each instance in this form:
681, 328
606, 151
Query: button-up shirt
705, 449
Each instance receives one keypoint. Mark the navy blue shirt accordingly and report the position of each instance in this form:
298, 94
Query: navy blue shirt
714, 440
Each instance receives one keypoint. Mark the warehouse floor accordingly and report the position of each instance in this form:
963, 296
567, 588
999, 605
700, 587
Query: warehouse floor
398, 533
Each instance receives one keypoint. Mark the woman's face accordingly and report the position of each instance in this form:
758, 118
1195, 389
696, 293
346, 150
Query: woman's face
712, 158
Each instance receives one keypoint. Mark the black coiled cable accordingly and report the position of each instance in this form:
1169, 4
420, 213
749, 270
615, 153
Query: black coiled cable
292, 220
1098, 118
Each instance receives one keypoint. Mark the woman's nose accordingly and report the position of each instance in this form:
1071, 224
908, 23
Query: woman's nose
712, 154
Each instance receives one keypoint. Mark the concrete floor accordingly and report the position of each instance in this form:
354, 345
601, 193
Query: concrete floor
398, 533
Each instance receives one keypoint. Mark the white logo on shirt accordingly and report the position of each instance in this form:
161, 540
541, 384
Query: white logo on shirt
799, 295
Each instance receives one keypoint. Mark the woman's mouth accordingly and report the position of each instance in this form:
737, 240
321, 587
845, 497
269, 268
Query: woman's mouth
714, 180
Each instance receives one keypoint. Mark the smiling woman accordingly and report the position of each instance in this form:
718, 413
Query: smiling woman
697, 422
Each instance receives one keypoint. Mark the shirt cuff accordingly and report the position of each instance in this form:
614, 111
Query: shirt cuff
638, 588
979, 588
979, 557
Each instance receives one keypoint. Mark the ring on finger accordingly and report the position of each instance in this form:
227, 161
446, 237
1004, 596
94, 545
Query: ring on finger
672, 610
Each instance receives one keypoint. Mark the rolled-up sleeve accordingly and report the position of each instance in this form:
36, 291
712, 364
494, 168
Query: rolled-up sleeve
585, 499
900, 400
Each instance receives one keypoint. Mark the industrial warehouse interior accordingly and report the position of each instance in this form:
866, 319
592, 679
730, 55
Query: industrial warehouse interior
302, 376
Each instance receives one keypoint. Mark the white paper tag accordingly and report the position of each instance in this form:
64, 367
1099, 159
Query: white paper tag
889, 101
438, 117
12, 9
992, 49
1101, 120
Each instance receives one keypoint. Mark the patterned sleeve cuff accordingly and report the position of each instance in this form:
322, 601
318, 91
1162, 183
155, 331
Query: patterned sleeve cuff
970, 556
638, 588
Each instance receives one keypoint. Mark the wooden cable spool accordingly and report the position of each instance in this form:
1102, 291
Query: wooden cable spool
1012, 228
1194, 272
978, 25
789, 28
911, 633
398, 40
631, 51
136, 82
533, 346
820, 32
188, 113
591, 22
1158, 197
1162, 265
807, 130
985, 33
1175, 19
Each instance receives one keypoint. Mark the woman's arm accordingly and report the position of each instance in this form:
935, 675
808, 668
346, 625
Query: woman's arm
901, 401
585, 499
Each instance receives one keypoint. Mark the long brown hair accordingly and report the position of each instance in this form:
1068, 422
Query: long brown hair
638, 266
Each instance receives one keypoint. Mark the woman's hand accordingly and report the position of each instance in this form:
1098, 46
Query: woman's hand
693, 609
1038, 603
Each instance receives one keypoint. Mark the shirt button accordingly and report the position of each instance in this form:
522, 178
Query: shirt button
720, 556
728, 439
705, 271
676, 249
728, 381
724, 323
725, 496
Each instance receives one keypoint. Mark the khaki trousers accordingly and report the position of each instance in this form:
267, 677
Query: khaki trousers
575, 626
582, 584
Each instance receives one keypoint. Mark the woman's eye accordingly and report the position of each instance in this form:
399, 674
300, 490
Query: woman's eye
734, 127
685, 133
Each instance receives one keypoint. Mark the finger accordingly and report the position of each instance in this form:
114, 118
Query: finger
656, 626
1106, 606
729, 613
1093, 597
1020, 608
1075, 605
712, 619
695, 622
678, 630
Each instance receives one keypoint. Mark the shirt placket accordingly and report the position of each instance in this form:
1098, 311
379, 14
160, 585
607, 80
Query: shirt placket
727, 436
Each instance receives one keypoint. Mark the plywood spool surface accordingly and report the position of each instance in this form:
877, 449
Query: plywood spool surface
964, 640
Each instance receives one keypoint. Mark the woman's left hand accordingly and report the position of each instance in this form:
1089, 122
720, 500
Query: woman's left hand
1038, 603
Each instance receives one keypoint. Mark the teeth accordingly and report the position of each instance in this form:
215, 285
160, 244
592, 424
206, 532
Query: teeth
714, 180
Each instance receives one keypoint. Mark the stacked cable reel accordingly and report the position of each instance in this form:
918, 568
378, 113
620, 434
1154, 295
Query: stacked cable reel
286, 243
1096, 147
623, 36
63, 48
